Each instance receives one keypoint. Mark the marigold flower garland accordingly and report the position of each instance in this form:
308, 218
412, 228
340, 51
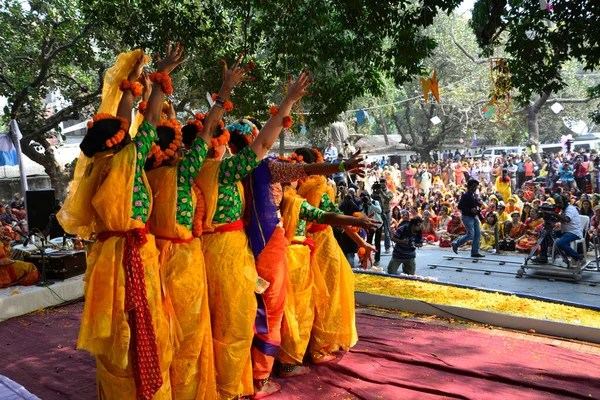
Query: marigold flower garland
164, 79
319, 155
117, 137
287, 121
227, 105
219, 141
197, 228
356, 228
142, 106
135, 87
162, 155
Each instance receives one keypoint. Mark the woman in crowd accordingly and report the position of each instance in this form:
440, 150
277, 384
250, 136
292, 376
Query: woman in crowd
428, 230
409, 176
533, 226
14, 272
586, 208
396, 219
489, 232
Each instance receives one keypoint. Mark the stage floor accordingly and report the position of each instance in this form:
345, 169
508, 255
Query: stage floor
396, 358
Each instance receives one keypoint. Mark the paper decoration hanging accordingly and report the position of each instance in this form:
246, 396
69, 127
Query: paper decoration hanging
431, 84
565, 139
556, 107
461, 140
489, 111
500, 96
435, 120
303, 130
475, 143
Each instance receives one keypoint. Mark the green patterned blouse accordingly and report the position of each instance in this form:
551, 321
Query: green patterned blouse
233, 170
141, 197
187, 169
309, 213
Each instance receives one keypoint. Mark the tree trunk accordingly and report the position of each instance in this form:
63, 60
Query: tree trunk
385, 131
424, 152
533, 127
282, 143
59, 179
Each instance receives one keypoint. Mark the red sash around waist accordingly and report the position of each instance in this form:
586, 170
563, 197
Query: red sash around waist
307, 242
233, 226
314, 228
144, 352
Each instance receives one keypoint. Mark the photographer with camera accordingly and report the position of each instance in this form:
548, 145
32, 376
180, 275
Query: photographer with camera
385, 196
570, 230
407, 238
371, 207
469, 207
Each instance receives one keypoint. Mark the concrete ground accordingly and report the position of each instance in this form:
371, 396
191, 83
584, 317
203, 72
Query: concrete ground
502, 277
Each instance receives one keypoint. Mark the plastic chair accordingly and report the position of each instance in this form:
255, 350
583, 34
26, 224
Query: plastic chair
585, 223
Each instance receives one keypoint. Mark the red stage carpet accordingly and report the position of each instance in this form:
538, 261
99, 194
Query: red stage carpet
394, 359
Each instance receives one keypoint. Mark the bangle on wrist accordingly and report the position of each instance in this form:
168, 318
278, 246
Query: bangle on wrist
226, 105
164, 79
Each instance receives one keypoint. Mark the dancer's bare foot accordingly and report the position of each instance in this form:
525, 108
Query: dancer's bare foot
293, 371
322, 360
264, 388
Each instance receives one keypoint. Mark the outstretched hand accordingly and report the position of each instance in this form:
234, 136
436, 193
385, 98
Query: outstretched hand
147, 85
135, 73
171, 114
237, 73
367, 223
173, 58
297, 89
355, 164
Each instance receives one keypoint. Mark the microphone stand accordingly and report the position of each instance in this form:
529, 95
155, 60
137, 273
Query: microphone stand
43, 282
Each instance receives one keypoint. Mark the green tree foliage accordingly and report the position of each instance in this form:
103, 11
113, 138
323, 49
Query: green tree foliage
537, 43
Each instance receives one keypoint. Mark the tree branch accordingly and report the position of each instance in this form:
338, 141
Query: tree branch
62, 115
68, 44
461, 48
83, 88
8, 83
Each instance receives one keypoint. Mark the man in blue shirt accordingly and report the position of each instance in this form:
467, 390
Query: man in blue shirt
469, 206
407, 238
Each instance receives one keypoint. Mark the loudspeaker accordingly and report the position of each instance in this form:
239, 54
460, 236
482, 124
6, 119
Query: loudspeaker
40, 204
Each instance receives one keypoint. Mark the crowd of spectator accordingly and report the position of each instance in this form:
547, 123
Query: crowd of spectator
418, 203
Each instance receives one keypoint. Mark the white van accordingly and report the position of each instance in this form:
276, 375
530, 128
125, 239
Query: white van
493, 153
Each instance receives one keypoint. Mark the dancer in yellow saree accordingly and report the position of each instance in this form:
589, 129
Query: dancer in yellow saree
334, 327
306, 288
176, 201
231, 272
124, 321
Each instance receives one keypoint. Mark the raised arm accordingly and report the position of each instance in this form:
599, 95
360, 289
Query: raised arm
126, 103
270, 132
162, 82
231, 78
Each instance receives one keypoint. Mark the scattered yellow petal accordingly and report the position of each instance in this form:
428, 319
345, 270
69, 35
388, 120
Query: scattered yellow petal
15, 292
477, 300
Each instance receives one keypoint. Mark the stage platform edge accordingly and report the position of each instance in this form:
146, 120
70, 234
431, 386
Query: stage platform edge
20, 300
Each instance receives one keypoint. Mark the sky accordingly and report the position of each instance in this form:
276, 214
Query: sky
465, 6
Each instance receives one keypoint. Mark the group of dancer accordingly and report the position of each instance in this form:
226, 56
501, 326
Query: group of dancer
206, 269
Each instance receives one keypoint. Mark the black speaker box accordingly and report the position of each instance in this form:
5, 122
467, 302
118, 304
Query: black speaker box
40, 204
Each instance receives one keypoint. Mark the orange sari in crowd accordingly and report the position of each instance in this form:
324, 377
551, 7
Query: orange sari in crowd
532, 232
13, 272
